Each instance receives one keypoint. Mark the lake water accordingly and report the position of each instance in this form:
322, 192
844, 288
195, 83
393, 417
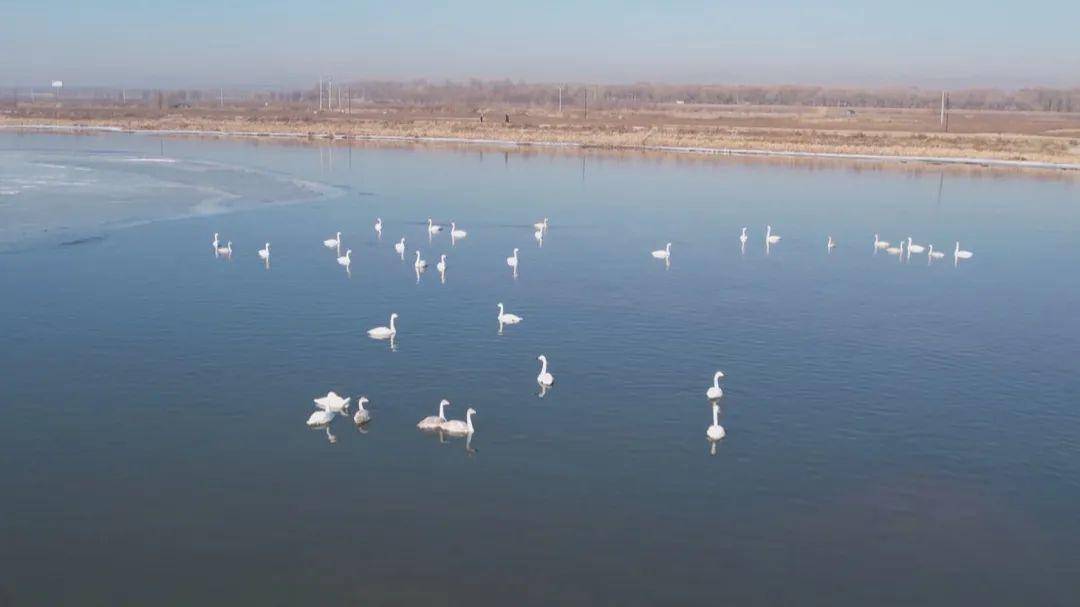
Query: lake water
897, 433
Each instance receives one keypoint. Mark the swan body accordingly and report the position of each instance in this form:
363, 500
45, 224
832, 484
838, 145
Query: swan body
959, 253
769, 236
914, 248
664, 253
512, 261
332, 403
458, 427
333, 243
225, 250
541, 225
715, 431
419, 264
441, 266
362, 416
742, 237
378, 226
830, 244
265, 252
434, 422
456, 233
507, 319
432, 228
898, 250
320, 418
384, 332
932, 254
400, 247
346, 259
714, 392
544, 378
880, 244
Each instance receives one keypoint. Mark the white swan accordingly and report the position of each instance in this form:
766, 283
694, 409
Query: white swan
959, 253
384, 332
225, 250
362, 416
507, 319
332, 402
378, 226
265, 253
434, 422
770, 238
456, 233
714, 392
742, 237
880, 244
215, 242
896, 250
512, 261
664, 253
914, 248
458, 427
419, 264
432, 228
346, 259
715, 431
441, 266
400, 247
830, 244
932, 254
541, 225
544, 378
333, 243
320, 418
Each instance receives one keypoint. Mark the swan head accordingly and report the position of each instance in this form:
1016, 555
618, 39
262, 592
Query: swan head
442, 257
668, 247
393, 316
542, 358
515, 250
268, 246
444, 403
215, 235
719, 375
339, 235
470, 411
348, 252
402, 240
362, 401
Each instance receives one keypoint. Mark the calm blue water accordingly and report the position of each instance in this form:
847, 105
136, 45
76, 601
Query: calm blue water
897, 433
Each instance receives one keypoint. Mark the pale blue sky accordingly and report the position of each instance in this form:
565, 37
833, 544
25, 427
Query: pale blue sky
290, 42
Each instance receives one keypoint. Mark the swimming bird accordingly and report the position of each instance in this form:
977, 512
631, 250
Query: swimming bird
432, 228
512, 261
419, 264
265, 253
441, 266
384, 332
378, 226
770, 238
362, 416
932, 254
225, 250
742, 237
400, 248
714, 392
896, 250
456, 233
460, 428
434, 422
507, 319
913, 248
544, 378
880, 244
333, 243
664, 253
830, 244
346, 259
959, 253
320, 418
715, 431
541, 225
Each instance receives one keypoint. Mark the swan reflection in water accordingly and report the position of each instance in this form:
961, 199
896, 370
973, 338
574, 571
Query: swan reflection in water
715, 433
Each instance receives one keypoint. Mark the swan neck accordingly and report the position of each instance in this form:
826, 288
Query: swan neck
716, 381
392, 329
468, 420
543, 366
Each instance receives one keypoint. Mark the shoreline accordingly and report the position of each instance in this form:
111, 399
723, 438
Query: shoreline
969, 161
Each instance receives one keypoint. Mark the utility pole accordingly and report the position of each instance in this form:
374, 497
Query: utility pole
348, 95
329, 94
221, 97
320, 93
586, 103
560, 100
942, 108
